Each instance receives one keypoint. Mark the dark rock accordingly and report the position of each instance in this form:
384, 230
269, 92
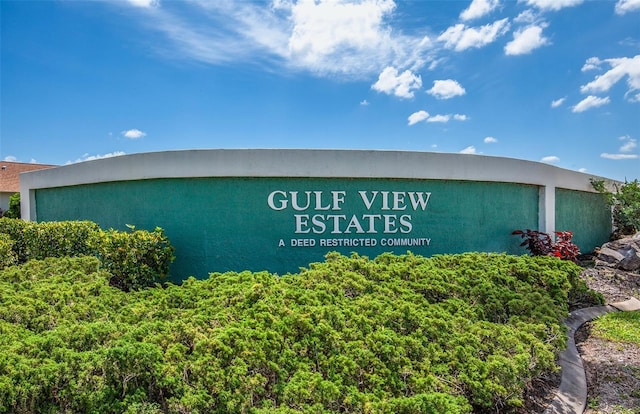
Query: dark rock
621, 254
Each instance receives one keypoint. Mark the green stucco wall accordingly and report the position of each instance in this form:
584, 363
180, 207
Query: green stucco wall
219, 224
587, 215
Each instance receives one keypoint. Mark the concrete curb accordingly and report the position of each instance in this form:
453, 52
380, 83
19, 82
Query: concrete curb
572, 394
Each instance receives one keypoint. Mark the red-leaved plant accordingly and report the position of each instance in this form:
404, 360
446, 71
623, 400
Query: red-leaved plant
541, 244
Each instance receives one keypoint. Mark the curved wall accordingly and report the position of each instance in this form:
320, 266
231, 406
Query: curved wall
282, 209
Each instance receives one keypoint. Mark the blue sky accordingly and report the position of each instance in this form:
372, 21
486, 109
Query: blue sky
555, 81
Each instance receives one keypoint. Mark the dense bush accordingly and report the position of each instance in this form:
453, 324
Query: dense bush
397, 334
34, 240
59, 239
135, 259
7, 256
16, 230
625, 203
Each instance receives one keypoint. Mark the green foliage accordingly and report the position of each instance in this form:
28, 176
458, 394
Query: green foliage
33, 240
59, 239
14, 207
625, 203
397, 334
541, 244
49, 239
7, 256
135, 259
619, 327
16, 231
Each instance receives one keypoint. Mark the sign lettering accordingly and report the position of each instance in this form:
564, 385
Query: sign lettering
321, 213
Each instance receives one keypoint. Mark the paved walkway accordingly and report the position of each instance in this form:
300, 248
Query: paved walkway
572, 394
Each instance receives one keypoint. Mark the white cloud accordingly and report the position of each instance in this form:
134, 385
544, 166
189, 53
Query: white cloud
401, 85
526, 40
629, 144
620, 68
435, 63
593, 63
461, 37
419, 116
144, 3
582, 170
558, 102
625, 6
326, 29
553, 4
364, 103
490, 140
469, 150
325, 37
550, 159
479, 8
87, 157
619, 156
439, 118
446, 89
590, 102
528, 16
133, 134
11, 158
226, 32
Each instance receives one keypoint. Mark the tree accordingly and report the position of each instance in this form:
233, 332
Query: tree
14, 206
625, 204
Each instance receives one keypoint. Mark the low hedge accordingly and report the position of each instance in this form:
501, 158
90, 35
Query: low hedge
34, 240
135, 259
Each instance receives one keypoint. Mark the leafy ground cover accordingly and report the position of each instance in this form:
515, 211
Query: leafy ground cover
618, 327
399, 334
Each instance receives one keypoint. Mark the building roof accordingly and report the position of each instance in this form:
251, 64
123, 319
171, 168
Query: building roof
10, 174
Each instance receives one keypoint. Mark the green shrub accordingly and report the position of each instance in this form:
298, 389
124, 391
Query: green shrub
33, 240
54, 319
7, 256
406, 334
15, 228
59, 239
135, 259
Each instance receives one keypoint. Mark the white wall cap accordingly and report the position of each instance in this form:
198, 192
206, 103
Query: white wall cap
307, 163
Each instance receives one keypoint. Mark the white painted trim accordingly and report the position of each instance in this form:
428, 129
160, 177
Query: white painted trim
547, 209
307, 163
